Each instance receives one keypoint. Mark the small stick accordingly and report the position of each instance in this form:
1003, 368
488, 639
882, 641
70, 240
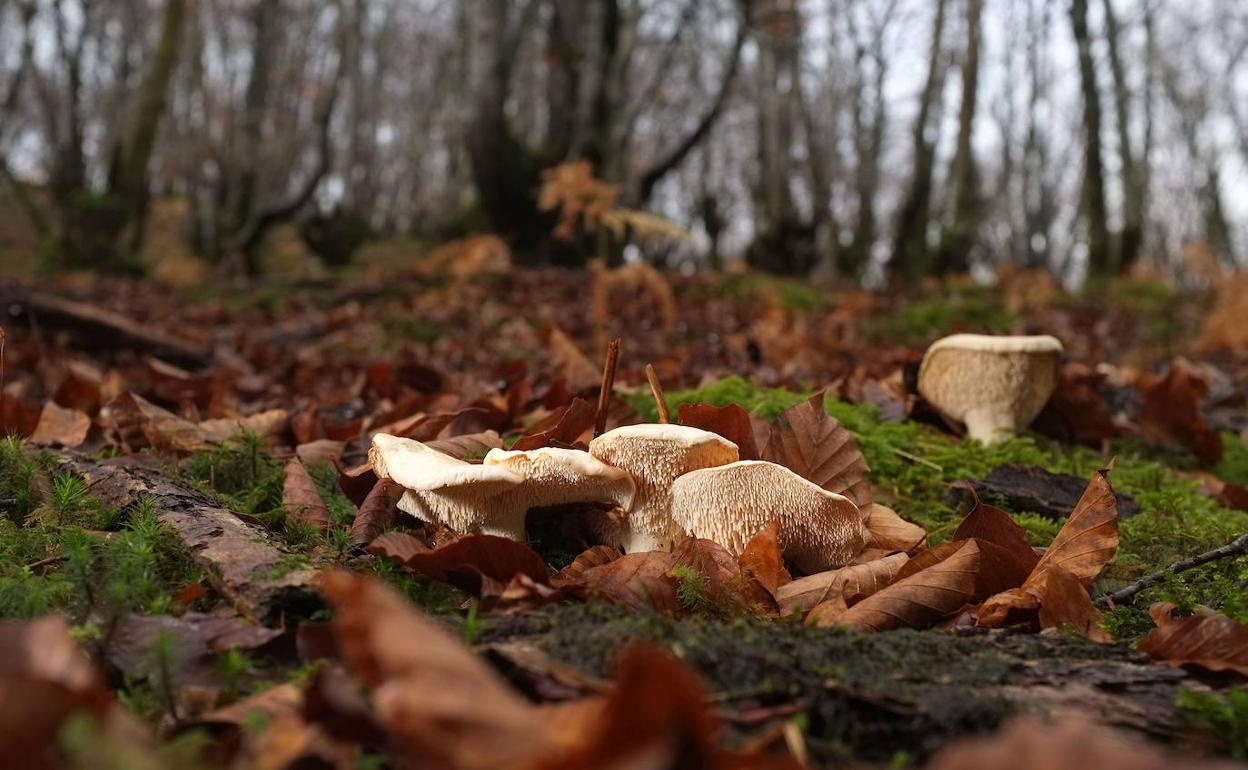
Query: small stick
1126, 595
916, 459
656, 388
608, 384
3, 337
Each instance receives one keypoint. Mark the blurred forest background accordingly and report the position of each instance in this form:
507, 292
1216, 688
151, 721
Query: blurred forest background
849, 140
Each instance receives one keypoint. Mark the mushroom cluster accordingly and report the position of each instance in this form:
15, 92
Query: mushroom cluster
994, 385
670, 481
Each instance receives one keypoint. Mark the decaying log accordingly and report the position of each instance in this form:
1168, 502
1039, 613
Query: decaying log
101, 326
1031, 489
242, 561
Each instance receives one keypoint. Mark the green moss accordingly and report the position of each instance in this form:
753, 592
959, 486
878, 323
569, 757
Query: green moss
1224, 714
970, 309
242, 473
793, 295
17, 477
912, 466
1234, 464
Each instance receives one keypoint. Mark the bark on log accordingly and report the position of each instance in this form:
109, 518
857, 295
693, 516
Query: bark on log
242, 561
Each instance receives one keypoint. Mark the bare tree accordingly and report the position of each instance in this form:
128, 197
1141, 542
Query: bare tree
1094, 208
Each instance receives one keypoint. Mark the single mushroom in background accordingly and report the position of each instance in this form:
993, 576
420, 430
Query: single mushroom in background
994, 385
493, 497
655, 455
819, 530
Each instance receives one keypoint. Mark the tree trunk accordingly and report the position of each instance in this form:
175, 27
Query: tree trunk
959, 238
1134, 194
1093, 207
910, 246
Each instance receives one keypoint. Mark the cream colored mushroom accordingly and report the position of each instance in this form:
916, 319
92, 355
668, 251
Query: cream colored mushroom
995, 385
819, 530
493, 498
655, 455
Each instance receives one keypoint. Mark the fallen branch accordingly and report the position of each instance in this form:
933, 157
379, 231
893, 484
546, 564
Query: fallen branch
1125, 595
242, 561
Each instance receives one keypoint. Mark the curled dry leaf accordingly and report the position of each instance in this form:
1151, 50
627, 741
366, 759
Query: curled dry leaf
999, 570
467, 446
443, 706
763, 559
574, 573
376, 513
891, 532
637, 581
568, 428
814, 445
920, 600
837, 587
731, 421
1209, 641
479, 564
1089, 538
60, 426
1171, 414
300, 497
990, 524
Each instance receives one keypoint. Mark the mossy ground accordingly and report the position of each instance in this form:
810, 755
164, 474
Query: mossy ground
913, 464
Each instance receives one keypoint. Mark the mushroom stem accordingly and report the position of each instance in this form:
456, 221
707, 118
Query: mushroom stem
508, 524
989, 425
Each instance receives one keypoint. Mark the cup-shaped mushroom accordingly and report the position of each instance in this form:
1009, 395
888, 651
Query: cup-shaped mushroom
655, 455
493, 497
819, 530
994, 385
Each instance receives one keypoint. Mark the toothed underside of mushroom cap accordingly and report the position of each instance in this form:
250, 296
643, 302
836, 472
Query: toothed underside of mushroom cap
655, 455
729, 504
417, 467
553, 465
1014, 385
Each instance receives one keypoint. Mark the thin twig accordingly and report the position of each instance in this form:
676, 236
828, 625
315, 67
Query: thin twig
608, 384
656, 388
916, 459
1125, 595
3, 338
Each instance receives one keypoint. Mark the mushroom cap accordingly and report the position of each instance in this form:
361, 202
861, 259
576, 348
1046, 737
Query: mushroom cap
655, 455
420, 468
729, 504
996, 385
554, 467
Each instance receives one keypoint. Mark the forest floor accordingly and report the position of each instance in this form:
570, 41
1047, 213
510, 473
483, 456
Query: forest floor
186, 497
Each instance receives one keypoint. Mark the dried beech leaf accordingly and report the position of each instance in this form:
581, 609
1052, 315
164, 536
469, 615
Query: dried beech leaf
731, 421
891, 532
441, 704
399, 546
301, 498
137, 424
468, 446
763, 558
480, 564
574, 573
1089, 538
376, 513
839, 586
636, 580
990, 524
1212, 642
814, 445
267, 425
1171, 414
921, 600
567, 430
60, 426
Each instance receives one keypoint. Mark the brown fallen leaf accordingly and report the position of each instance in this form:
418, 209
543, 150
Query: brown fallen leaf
267, 425
1205, 640
320, 452
575, 366
441, 704
60, 427
574, 573
1027, 743
891, 532
1077, 412
376, 513
656, 718
480, 564
637, 581
726, 582
136, 424
1171, 414
990, 524
999, 570
838, 586
731, 421
301, 499
1230, 495
763, 559
468, 446
814, 445
920, 600
574, 422
1089, 538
